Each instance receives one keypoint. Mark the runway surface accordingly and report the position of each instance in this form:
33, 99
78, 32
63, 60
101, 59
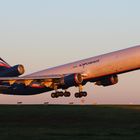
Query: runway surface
43, 122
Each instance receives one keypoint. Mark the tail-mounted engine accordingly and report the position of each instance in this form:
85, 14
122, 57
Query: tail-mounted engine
72, 80
12, 71
108, 81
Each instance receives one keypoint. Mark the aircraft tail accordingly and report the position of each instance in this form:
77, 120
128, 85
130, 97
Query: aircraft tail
10, 71
3, 64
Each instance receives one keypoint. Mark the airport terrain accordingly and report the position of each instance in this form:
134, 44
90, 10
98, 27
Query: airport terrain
50, 122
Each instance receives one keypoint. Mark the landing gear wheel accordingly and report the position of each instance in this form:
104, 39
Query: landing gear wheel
84, 94
67, 94
56, 95
60, 94
80, 94
53, 95
77, 95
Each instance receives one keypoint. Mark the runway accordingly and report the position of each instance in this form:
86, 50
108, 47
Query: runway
45, 122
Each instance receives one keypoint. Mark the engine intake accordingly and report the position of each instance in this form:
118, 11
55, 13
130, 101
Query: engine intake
72, 80
13, 71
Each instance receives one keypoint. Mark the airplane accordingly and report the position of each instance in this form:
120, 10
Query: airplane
103, 70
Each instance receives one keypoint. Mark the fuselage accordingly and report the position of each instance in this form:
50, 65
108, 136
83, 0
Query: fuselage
111, 63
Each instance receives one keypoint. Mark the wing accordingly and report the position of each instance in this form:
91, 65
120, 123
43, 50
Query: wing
45, 81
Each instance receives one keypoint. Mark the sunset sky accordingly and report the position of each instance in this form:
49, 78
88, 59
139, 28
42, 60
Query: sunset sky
45, 33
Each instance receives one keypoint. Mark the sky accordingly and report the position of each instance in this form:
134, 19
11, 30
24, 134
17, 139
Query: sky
45, 33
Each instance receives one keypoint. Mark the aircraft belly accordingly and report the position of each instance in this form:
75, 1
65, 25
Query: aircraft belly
24, 90
115, 64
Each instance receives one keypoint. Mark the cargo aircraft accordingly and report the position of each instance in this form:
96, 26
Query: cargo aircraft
103, 70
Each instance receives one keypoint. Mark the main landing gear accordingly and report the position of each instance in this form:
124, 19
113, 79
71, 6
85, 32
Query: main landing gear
79, 94
60, 94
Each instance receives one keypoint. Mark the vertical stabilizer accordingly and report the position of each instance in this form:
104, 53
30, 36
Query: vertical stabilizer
3, 64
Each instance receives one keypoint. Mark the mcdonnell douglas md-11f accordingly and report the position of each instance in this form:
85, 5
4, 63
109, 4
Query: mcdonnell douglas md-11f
103, 70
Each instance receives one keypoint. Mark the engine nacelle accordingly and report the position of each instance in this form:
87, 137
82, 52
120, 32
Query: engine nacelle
72, 80
12, 71
108, 81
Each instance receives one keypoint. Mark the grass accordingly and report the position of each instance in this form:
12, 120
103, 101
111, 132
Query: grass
42, 122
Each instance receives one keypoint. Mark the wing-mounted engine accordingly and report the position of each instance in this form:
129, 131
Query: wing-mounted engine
72, 80
108, 81
12, 71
